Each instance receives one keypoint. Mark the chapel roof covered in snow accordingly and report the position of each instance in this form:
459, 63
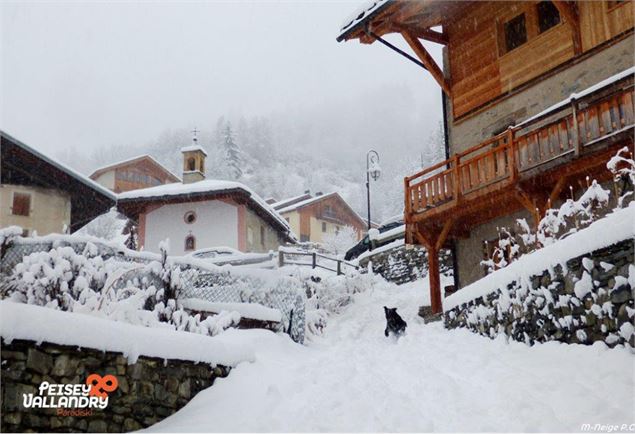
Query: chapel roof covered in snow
133, 160
132, 202
22, 164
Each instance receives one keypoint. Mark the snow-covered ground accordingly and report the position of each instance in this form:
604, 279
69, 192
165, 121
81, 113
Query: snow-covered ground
354, 379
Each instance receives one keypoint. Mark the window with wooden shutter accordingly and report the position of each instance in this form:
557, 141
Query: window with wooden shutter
21, 204
515, 32
548, 15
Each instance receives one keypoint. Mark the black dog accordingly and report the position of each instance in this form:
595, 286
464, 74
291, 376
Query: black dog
394, 323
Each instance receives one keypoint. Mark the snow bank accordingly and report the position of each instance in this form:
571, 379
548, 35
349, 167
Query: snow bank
39, 324
615, 227
246, 310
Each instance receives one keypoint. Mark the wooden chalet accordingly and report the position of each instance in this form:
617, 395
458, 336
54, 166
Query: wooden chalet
133, 173
536, 97
42, 195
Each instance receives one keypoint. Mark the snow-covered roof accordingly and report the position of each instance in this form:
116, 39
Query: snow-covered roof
613, 228
103, 169
361, 14
305, 202
290, 200
71, 172
194, 148
200, 188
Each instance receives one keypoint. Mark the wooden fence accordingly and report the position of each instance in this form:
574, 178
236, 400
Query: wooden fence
317, 260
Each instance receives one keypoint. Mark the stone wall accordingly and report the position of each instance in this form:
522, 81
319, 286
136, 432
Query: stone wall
149, 390
405, 264
555, 305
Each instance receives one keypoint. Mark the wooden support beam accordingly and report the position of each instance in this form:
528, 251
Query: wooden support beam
421, 33
557, 189
569, 11
444, 233
529, 203
428, 61
423, 240
435, 280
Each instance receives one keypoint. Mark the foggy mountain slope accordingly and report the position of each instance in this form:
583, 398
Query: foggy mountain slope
281, 156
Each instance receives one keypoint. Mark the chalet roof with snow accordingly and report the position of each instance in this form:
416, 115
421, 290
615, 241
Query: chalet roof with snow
290, 201
22, 164
296, 205
133, 202
134, 160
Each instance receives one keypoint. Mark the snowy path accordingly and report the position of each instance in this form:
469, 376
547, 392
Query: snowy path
354, 379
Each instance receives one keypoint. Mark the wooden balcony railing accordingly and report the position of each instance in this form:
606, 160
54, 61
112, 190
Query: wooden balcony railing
569, 128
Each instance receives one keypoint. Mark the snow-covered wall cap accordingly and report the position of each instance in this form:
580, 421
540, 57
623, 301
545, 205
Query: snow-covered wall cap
206, 186
615, 227
193, 148
73, 173
41, 324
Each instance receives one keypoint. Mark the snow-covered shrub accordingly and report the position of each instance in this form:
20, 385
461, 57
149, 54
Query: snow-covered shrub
623, 169
572, 216
339, 242
329, 294
60, 277
110, 226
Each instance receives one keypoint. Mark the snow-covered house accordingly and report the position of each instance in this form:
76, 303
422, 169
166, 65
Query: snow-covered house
199, 213
133, 173
536, 97
42, 195
313, 217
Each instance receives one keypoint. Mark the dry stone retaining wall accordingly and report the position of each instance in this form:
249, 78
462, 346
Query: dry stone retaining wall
149, 390
554, 305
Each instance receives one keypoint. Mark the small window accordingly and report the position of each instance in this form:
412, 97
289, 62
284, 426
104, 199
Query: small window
189, 217
190, 243
191, 164
515, 32
262, 236
21, 204
323, 227
548, 16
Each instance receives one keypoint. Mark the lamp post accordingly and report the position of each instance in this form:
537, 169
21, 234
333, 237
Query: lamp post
372, 171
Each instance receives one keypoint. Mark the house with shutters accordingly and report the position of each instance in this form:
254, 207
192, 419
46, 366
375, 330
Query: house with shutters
537, 95
201, 213
133, 173
43, 196
313, 217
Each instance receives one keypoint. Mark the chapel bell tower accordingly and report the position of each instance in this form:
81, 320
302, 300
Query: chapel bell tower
193, 161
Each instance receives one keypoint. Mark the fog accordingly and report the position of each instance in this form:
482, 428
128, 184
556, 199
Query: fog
80, 79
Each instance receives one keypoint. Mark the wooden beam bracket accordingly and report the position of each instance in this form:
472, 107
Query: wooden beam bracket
428, 61
569, 11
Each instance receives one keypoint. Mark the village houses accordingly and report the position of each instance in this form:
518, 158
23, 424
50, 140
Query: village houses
133, 173
536, 98
43, 196
199, 213
314, 217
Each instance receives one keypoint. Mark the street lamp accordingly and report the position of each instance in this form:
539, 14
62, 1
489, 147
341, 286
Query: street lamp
372, 171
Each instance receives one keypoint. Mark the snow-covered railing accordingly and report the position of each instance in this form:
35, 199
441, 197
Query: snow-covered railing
317, 260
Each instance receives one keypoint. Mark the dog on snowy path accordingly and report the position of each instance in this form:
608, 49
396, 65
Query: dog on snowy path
394, 323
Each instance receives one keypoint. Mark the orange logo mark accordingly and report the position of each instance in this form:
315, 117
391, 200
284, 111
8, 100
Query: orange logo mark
101, 386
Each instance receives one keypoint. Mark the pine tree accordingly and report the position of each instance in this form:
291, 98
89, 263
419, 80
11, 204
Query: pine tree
233, 155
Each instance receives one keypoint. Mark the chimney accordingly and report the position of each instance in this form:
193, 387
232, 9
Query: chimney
307, 191
318, 193
193, 161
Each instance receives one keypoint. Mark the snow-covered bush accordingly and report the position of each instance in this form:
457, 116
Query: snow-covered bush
111, 226
339, 242
623, 169
329, 294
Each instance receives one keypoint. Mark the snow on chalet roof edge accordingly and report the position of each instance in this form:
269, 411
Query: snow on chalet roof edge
615, 227
129, 160
88, 331
64, 168
205, 186
361, 14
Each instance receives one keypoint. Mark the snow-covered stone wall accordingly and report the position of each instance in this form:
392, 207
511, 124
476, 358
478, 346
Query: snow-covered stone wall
401, 264
587, 299
149, 390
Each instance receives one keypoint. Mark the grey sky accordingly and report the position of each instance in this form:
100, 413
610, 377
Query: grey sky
88, 75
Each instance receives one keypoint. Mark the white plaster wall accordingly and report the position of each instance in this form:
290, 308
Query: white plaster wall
216, 225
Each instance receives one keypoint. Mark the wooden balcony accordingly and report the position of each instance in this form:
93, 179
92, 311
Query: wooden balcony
528, 166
